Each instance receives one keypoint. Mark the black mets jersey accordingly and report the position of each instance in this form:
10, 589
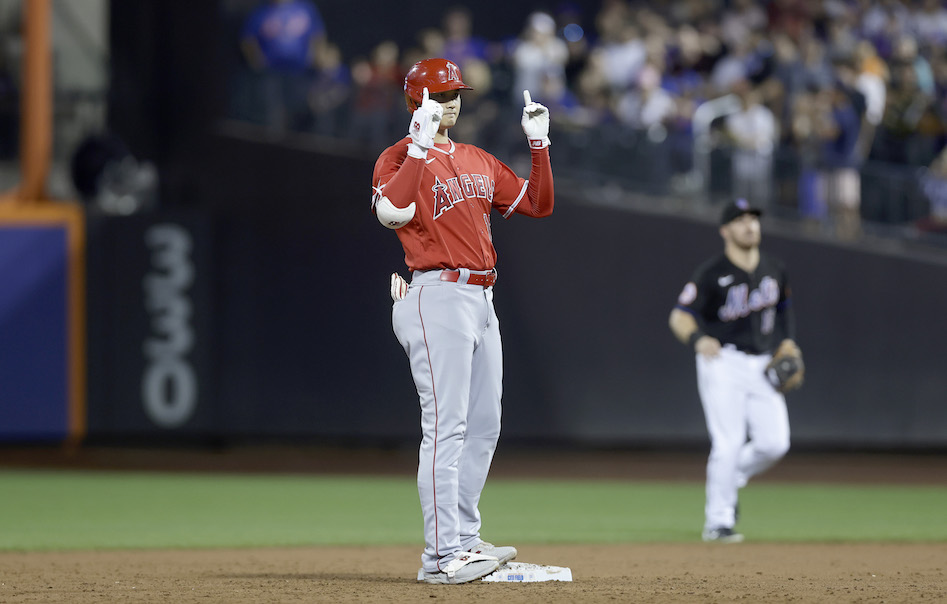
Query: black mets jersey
751, 311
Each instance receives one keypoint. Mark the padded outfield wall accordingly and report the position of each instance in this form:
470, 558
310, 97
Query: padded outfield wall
291, 336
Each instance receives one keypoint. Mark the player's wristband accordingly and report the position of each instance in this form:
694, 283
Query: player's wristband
539, 143
692, 340
416, 151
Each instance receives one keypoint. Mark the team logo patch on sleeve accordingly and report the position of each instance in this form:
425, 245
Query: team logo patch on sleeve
688, 294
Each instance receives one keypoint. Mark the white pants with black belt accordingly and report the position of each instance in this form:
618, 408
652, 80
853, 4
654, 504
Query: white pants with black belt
451, 335
748, 426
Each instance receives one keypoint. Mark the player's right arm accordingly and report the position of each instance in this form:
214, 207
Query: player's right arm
684, 325
399, 170
395, 185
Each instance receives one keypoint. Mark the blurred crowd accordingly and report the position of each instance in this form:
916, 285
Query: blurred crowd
832, 84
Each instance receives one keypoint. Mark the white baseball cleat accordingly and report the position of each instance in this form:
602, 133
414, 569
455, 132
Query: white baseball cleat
464, 568
722, 535
503, 553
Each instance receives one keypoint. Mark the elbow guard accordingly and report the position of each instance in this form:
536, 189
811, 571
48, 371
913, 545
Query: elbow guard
391, 216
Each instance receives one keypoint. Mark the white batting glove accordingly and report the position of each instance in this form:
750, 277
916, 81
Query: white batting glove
535, 123
424, 125
399, 287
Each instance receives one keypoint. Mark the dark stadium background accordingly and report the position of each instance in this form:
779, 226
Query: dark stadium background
291, 313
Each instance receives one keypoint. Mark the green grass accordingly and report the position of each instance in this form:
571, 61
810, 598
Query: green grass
63, 510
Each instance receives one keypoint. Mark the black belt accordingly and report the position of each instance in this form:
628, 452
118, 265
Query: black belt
744, 350
484, 281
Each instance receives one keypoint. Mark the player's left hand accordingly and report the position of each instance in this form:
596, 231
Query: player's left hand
535, 122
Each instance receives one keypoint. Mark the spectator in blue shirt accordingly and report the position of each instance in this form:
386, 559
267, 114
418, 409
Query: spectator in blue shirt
281, 40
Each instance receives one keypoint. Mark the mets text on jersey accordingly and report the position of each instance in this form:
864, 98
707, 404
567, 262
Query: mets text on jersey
741, 301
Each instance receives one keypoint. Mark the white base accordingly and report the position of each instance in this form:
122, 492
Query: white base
522, 572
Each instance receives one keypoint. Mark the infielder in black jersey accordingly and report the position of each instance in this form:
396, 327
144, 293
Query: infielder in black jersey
734, 313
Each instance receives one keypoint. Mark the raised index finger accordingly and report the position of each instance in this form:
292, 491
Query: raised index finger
424, 96
526, 97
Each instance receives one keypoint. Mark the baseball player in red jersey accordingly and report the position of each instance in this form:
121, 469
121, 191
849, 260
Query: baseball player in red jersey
438, 196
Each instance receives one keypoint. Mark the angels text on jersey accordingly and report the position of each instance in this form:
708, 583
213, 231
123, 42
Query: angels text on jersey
459, 188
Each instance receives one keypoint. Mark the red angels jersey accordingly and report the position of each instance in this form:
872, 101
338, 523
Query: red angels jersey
454, 190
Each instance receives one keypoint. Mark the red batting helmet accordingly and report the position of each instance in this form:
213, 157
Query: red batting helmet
437, 75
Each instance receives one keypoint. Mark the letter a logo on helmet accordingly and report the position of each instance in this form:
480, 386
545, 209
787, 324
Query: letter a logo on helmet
453, 73
437, 75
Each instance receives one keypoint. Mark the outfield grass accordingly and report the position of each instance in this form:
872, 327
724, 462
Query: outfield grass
66, 510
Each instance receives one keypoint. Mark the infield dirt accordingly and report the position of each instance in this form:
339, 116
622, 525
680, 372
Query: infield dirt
615, 573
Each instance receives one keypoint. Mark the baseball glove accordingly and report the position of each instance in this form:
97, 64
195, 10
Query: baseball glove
786, 371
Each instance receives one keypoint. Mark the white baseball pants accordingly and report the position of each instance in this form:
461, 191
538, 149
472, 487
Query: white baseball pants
451, 335
748, 426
